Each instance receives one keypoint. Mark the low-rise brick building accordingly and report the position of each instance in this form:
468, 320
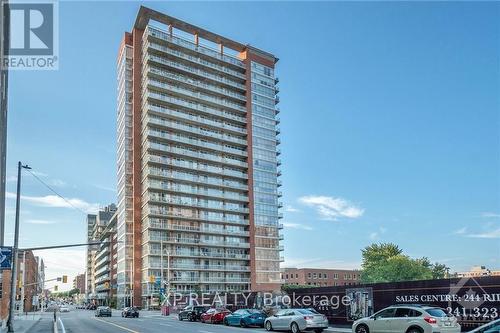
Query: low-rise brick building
321, 277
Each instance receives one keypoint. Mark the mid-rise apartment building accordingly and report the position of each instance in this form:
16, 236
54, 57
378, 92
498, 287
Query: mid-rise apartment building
321, 277
198, 162
106, 264
97, 224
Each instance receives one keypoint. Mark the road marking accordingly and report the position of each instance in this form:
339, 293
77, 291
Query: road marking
202, 331
119, 326
162, 324
62, 325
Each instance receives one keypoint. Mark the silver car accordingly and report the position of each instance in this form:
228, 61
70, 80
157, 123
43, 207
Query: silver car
296, 320
409, 319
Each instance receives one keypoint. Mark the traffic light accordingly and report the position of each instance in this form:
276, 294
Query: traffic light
65, 279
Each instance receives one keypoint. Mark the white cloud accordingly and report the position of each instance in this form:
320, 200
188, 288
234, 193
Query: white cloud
330, 208
58, 262
57, 202
461, 231
320, 263
489, 215
495, 233
34, 221
376, 235
297, 226
291, 209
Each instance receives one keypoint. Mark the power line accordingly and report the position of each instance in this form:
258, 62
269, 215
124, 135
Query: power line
55, 192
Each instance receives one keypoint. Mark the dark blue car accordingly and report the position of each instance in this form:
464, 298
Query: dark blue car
245, 318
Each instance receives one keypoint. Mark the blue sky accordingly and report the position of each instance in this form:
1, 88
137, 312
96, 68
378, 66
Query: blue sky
390, 125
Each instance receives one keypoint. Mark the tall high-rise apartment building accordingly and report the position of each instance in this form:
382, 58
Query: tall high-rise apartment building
198, 162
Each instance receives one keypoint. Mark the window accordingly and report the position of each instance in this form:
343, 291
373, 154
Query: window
415, 313
387, 313
402, 312
315, 276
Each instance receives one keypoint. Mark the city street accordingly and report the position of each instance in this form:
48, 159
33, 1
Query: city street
83, 321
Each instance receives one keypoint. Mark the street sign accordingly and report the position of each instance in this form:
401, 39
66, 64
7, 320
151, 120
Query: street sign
5, 258
162, 290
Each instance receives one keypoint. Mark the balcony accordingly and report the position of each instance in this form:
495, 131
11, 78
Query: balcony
199, 167
173, 227
149, 58
220, 148
200, 241
194, 106
176, 126
203, 218
198, 192
194, 154
199, 254
194, 178
186, 116
216, 101
198, 48
196, 84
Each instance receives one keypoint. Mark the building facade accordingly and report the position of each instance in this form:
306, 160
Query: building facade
79, 283
96, 263
321, 277
198, 162
106, 264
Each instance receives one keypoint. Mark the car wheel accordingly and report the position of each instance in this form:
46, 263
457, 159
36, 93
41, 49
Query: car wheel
362, 329
242, 323
414, 330
225, 322
269, 326
180, 318
318, 330
295, 328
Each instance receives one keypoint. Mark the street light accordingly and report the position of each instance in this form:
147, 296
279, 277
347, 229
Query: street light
13, 278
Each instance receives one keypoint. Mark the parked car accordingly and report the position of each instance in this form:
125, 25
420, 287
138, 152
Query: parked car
214, 316
491, 327
296, 320
245, 318
103, 311
63, 308
192, 313
409, 319
130, 312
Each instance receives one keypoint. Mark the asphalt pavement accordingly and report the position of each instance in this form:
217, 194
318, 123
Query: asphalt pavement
84, 321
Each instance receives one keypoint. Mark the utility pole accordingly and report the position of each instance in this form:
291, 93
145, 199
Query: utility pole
4, 78
13, 278
23, 282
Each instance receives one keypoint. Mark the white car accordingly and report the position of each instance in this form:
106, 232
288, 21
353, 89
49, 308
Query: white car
63, 309
296, 320
408, 319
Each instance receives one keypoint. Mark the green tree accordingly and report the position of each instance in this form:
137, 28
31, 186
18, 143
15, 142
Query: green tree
386, 263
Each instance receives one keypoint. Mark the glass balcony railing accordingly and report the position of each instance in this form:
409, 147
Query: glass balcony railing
194, 129
195, 166
167, 226
193, 154
175, 175
195, 94
195, 106
196, 83
203, 120
192, 46
192, 70
203, 254
199, 191
196, 142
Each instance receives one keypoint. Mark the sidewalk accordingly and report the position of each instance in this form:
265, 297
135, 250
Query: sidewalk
23, 323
